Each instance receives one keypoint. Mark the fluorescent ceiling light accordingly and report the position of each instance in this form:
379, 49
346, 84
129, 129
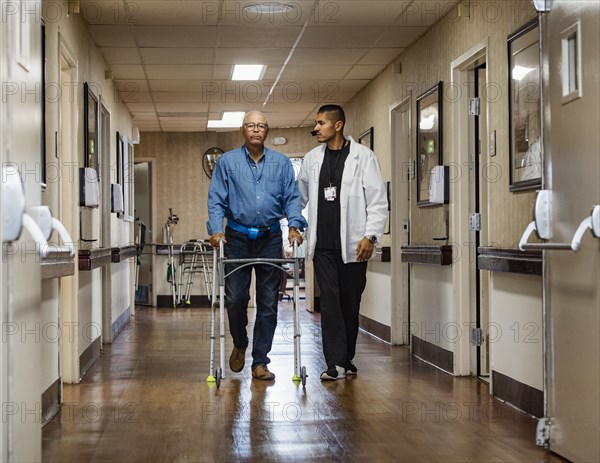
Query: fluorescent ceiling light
519, 72
267, 8
247, 71
230, 120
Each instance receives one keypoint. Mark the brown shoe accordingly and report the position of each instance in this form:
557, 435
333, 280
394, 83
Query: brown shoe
237, 359
262, 372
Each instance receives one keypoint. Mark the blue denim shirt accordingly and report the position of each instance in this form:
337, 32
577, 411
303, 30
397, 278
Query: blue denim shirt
254, 195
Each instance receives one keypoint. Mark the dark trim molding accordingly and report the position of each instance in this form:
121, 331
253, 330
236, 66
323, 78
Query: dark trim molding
50, 402
510, 260
89, 356
433, 354
124, 253
522, 396
90, 259
375, 328
427, 254
196, 301
58, 263
121, 322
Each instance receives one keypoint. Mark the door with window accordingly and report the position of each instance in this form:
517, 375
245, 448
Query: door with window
571, 34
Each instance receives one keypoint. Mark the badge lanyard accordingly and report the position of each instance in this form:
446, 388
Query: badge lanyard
330, 192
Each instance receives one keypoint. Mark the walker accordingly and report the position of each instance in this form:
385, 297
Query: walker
219, 261
171, 271
193, 259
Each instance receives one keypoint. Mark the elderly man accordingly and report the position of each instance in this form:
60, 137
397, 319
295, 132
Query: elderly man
253, 187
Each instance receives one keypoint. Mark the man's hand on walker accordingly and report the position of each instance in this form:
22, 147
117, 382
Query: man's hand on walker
294, 235
214, 240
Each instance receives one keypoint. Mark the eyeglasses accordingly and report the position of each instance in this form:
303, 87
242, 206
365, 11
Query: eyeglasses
260, 126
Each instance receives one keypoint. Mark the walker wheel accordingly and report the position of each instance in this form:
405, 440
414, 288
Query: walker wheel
303, 376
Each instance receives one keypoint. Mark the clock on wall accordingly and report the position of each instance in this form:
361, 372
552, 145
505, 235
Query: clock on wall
209, 160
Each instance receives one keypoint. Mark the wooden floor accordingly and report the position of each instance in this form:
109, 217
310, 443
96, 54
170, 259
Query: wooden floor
146, 400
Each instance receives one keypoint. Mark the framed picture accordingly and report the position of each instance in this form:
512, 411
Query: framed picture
429, 139
366, 138
90, 127
525, 148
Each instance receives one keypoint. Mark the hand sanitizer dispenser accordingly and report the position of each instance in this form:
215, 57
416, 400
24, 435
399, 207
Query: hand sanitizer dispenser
438, 185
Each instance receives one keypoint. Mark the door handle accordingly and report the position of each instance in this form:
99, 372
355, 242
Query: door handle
64, 235
542, 218
592, 222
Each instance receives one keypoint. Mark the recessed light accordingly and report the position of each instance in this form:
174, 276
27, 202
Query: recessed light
268, 8
231, 119
247, 71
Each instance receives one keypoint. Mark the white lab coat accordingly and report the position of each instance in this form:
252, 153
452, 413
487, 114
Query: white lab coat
363, 197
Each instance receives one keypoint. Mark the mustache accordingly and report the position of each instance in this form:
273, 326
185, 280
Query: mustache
314, 133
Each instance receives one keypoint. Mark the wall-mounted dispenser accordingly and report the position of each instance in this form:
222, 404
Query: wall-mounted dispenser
89, 195
438, 185
116, 193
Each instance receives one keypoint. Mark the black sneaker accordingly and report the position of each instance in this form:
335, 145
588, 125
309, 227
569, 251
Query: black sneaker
333, 373
351, 369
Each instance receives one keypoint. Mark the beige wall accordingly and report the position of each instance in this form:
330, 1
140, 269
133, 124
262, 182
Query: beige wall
74, 35
424, 64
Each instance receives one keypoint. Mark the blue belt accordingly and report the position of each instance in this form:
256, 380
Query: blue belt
252, 232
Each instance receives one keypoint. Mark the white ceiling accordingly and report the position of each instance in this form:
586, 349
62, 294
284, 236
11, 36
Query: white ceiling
172, 59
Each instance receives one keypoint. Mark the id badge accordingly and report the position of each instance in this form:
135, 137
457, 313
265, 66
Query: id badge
330, 193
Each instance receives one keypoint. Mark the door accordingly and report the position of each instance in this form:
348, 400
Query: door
143, 207
20, 275
400, 220
105, 235
478, 218
571, 92
68, 202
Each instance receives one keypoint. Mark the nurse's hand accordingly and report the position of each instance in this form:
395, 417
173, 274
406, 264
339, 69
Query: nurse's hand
364, 250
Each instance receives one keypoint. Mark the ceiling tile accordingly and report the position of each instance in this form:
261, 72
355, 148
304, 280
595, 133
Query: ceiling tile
175, 85
141, 107
293, 73
258, 37
125, 71
177, 55
364, 72
131, 87
180, 97
381, 56
179, 71
341, 36
320, 56
117, 55
268, 56
233, 13
174, 107
400, 36
113, 36
176, 37
425, 12
358, 13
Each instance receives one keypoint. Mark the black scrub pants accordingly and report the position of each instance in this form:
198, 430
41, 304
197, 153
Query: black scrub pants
341, 287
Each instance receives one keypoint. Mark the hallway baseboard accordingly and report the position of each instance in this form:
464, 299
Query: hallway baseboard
375, 328
433, 354
89, 356
50, 401
524, 397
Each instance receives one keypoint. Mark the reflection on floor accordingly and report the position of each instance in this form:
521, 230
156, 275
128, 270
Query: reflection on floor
146, 400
